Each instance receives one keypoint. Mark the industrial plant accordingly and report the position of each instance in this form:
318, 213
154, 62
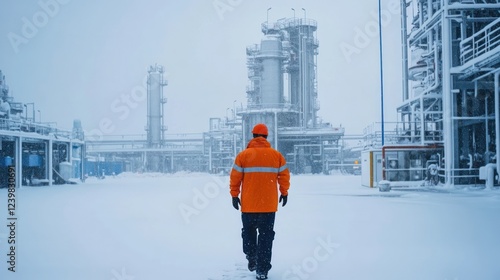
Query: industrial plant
449, 125
40, 153
447, 132
282, 93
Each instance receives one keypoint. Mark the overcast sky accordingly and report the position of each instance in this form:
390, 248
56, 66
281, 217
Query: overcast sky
84, 59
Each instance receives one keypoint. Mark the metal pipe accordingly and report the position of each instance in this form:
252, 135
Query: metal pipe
447, 97
431, 23
243, 133
305, 73
457, 6
420, 14
234, 145
489, 69
172, 162
413, 124
300, 91
429, 8
47, 154
404, 48
50, 162
275, 130
497, 119
305, 109
422, 124
381, 71
487, 130
209, 157
18, 159
437, 82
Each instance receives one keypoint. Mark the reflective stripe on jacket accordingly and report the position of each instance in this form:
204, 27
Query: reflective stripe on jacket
257, 172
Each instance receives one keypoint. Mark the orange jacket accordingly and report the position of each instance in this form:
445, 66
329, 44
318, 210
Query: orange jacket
258, 170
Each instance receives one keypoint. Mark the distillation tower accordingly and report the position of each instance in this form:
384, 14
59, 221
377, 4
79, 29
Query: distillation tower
450, 108
282, 93
155, 122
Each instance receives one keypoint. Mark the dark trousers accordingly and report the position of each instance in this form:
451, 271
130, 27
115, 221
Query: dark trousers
258, 236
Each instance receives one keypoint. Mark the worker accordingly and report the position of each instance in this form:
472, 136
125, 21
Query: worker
258, 173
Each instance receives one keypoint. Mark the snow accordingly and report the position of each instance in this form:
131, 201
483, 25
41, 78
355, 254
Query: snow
183, 226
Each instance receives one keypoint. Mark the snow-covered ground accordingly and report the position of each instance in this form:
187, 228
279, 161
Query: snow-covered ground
182, 226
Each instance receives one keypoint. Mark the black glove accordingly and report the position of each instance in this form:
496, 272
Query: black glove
236, 201
284, 198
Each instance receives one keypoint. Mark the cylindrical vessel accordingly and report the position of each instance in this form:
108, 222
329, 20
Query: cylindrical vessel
154, 108
271, 56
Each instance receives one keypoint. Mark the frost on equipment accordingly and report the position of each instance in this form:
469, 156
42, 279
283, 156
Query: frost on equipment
40, 153
450, 113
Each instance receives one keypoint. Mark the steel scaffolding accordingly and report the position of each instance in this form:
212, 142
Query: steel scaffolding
450, 93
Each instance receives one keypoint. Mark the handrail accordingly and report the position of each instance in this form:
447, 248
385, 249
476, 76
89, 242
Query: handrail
278, 106
142, 137
288, 23
27, 126
481, 42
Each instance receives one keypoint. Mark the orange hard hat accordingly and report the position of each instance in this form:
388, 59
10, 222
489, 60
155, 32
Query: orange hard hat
260, 129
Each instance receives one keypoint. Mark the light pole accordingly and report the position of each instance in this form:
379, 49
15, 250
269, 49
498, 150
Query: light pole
40, 116
305, 13
381, 71
293, 13
267, 19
